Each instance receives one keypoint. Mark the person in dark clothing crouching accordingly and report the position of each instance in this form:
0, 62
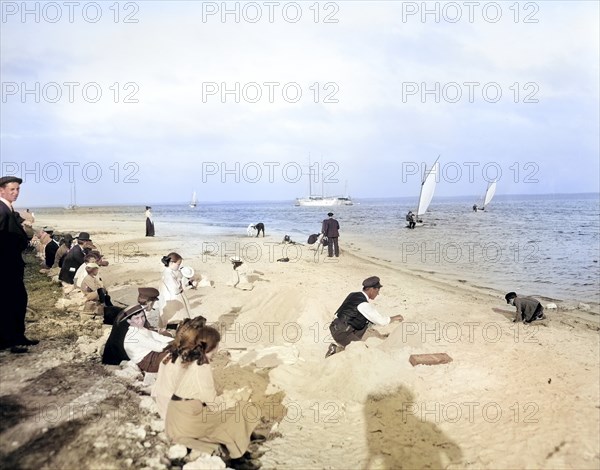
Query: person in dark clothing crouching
528, 309
353, 317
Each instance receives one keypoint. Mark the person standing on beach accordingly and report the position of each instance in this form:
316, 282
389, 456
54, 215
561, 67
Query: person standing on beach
353, 317
149, 222
330, 229
528, 308
13, 241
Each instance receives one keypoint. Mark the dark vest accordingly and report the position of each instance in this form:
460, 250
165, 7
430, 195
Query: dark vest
349, 313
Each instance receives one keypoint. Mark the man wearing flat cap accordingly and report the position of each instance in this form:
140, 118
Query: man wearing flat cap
13, 295
353, 317
330, 229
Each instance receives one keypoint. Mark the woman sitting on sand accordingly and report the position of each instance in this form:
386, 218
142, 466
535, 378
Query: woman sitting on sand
166, 382
132, 339
195, 416
172, 303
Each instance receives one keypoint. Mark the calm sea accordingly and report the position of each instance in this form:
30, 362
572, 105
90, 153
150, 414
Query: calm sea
546, 246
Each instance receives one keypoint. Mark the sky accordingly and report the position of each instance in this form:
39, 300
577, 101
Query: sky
145, 102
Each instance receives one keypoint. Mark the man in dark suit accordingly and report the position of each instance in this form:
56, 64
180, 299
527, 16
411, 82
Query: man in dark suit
330, 229
74, 258
51, 248
13, 295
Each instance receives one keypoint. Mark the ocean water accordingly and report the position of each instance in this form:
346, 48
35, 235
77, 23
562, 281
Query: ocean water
546, 246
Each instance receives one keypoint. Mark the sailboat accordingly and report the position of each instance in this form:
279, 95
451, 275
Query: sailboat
322, 200
489, 195
427, 189
194, 201
73, 205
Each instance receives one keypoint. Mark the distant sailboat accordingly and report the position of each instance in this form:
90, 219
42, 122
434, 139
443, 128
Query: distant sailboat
73, 205
194, 201
427, 190
489, 195
322, 200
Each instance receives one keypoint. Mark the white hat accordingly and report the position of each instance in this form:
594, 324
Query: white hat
187, 271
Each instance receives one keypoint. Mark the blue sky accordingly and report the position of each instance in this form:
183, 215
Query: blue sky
372, 91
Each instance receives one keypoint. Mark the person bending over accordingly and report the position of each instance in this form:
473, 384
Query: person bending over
353, 317
528, 309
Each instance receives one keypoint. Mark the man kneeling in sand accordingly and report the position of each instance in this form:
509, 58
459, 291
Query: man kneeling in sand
355, 314
528, 308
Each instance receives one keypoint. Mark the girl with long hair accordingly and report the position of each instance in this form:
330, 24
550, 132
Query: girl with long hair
195, 415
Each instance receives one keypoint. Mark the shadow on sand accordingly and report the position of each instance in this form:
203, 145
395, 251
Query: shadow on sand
398, 437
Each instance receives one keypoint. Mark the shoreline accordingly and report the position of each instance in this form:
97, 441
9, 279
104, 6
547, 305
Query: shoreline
357, 244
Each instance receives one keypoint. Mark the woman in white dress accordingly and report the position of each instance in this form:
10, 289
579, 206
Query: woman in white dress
173, 305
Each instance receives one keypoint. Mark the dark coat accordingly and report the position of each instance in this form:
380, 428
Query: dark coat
73, 259
330, 228
50, 253
13, 239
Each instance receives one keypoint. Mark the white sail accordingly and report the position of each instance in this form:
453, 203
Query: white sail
73, 204
489, 194
428, 188
194, 201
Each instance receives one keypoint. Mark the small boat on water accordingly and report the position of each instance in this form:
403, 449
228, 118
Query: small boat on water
489, 195
73, 205
194, 201
322, 200
428, 184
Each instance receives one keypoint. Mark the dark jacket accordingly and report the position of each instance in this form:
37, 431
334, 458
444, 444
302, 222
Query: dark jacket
527, 308
348, 311
330, 228
114, 350
73, 259
13, 239
50, 252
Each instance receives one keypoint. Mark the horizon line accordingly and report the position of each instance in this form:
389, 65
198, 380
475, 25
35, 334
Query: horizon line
121, 204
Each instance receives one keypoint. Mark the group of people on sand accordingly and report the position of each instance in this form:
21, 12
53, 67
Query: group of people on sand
184, 390
173, 344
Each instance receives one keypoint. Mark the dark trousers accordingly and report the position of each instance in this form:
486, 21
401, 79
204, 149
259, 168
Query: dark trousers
333, 246
344, 334
14, 305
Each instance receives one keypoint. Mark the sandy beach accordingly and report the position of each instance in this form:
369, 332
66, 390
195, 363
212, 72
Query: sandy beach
514, 395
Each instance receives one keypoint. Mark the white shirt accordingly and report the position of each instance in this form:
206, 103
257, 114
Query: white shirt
139, 342
371, 314
166, 381
80, 275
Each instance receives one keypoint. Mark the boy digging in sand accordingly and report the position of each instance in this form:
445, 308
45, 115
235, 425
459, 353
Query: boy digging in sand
528, 309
